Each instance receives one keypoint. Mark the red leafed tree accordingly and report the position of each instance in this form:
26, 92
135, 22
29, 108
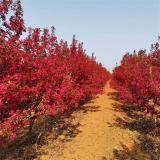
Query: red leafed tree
137, 79
39, 75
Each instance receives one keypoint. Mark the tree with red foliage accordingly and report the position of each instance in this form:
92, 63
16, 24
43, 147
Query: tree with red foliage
38, 75
137, 79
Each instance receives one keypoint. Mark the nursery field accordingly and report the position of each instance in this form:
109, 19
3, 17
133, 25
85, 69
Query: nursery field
59, 103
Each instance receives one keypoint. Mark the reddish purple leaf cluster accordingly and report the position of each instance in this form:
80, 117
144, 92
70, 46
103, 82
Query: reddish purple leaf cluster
38, 74
137, 79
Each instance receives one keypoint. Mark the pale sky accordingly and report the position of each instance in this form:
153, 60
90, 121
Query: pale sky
109, 28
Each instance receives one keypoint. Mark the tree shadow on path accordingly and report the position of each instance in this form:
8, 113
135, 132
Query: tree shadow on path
147, 146
47, 130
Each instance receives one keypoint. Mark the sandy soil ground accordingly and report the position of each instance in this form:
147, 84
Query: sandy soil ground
97, 136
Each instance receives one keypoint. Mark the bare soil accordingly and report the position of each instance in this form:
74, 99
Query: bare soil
102, 130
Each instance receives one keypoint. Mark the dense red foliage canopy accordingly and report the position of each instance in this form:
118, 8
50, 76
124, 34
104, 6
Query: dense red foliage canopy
137, 79
38, 74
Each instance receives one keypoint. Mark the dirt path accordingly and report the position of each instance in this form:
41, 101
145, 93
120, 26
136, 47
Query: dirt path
97, 137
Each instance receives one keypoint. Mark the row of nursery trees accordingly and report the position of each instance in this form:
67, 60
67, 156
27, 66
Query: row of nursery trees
40, 76
137, 79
